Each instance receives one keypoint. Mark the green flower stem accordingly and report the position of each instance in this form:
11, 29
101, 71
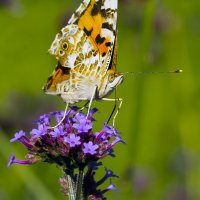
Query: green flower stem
79, 195
71, 188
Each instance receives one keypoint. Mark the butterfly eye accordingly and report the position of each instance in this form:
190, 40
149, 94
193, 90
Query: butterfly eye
64, 46
111, 78
62, 53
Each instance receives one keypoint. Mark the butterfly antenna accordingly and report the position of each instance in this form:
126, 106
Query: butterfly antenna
161, 72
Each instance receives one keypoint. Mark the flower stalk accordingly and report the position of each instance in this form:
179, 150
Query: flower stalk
71, 188
79, 192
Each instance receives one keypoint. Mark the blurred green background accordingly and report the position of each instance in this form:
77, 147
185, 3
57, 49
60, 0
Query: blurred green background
159, 119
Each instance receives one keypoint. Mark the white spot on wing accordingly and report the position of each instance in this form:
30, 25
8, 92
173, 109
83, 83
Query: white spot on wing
94, 59
112, 4
71, 40
86, 47
107, 33
71, 60
86, 62
73, 30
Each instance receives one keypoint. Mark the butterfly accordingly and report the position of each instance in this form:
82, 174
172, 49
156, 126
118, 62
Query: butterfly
86, 54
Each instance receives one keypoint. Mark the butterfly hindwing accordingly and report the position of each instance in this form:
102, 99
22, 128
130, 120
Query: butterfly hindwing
60, 74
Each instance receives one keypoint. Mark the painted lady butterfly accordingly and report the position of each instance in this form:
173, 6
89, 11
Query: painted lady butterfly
86, 51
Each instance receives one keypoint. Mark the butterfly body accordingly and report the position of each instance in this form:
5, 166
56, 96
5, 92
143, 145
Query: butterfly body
86, 51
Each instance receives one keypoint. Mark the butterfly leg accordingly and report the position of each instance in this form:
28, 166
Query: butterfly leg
84, 106
91, 99
119, 107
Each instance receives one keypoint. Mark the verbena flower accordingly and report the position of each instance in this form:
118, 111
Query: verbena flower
72, 140
90, 148
74, 146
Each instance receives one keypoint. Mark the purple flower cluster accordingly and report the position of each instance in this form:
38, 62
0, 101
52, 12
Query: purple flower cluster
72, 145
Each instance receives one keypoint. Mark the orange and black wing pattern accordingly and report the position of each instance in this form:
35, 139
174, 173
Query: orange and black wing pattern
98, 20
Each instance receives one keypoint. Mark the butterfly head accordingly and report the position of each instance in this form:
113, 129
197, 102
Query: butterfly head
111, 80
114, 79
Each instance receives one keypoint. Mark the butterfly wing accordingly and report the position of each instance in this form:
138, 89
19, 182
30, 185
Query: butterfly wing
86, 43
98, 20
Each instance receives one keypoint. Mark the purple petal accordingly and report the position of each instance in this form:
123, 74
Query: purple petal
73, 110
18, 136
21, 162
90, 148
79, 117
116, 140
108, 174
91, 113
58, 131
40, 131
44, 119
83, 126
110, 187
72, 140
11, 160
